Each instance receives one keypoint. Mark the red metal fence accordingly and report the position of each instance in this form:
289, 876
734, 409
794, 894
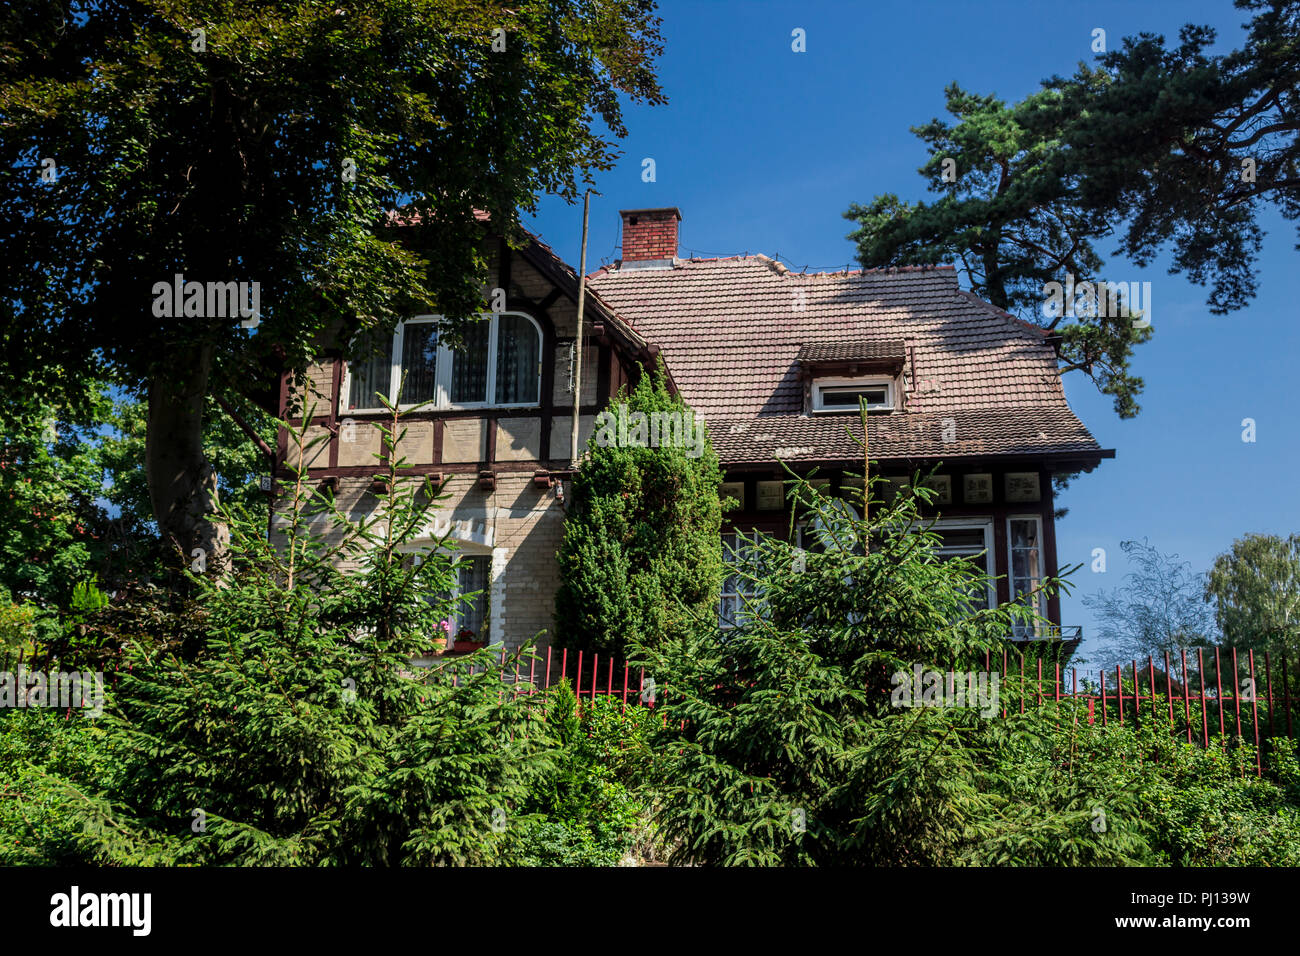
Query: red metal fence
1192, 700
594, 677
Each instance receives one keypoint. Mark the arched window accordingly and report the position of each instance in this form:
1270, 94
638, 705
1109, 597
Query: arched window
497, 365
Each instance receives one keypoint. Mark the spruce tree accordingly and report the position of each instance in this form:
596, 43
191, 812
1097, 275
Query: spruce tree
303, 733
791, 739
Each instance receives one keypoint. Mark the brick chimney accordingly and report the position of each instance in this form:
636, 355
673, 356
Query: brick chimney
649, 237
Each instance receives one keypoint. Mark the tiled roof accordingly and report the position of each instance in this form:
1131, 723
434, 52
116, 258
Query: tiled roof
733, 331
853, 352
977, 433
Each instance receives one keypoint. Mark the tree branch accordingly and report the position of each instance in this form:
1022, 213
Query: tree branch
246, 428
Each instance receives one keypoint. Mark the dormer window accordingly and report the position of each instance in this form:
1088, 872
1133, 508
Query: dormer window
831, 395
836, 375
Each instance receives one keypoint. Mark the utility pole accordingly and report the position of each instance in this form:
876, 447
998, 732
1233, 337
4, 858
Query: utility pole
866, 477
577, 345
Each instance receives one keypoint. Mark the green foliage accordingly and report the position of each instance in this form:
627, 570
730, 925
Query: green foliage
40, 752
267, 141
590, 806
641, 557
780, 745
783, 744
49, 485
1256, 592
300, 734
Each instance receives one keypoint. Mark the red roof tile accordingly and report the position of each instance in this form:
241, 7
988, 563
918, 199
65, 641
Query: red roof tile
733, 331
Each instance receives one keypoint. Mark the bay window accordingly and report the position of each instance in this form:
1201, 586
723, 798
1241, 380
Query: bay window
497, 365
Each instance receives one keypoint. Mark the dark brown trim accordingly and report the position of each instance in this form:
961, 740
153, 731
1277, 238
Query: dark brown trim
491, 455
439, 427
602, 376
463, 468
1052, 566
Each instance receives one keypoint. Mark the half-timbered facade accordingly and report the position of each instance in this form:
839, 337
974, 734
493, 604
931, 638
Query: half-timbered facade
495, 423
774, 361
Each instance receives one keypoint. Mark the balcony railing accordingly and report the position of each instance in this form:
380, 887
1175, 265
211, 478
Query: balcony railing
1046, 632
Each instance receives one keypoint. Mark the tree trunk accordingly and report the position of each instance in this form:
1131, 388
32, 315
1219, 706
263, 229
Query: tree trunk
182, 482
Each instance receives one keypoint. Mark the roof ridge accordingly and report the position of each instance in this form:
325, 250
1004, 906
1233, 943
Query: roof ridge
780, 268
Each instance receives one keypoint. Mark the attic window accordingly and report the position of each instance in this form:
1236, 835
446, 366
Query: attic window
842, 394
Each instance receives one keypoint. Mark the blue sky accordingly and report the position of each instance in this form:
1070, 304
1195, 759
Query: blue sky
763, 149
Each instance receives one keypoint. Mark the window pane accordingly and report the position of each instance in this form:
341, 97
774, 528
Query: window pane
967, 540
1026, 561
419, 362
371, 370
518, 356
847, 397
469, 365
473, 574
1024, 534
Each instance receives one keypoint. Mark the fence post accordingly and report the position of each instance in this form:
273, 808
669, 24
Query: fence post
1004, 678
1218, 683
1137, 698
1286, 695
1169, 690
1205, 716
1254, 712
1268, 676
1119, 693
1236, 692
1187, 706
1151, 682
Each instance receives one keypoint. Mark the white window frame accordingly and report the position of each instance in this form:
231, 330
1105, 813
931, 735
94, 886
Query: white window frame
442, 377
740, 596
1041, 598
984, 524
869, 381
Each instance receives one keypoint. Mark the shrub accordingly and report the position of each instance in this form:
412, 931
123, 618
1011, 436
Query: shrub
641, 555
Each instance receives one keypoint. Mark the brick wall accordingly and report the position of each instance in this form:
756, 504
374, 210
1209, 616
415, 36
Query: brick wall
649, 234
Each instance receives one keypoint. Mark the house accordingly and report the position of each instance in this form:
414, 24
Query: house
775, 362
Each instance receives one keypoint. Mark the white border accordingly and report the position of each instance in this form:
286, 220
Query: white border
869, 381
